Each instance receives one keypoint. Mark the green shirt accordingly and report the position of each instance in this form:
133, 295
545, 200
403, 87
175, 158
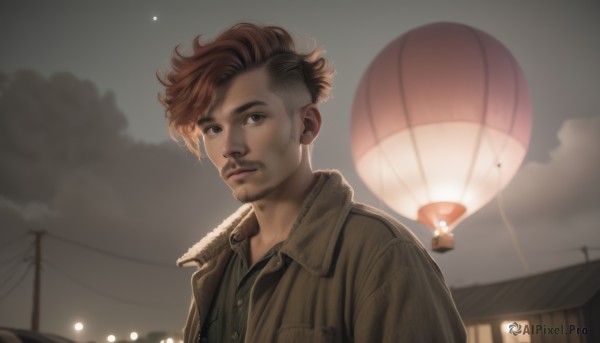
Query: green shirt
226, 320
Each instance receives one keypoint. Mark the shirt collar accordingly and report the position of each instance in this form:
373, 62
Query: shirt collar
313, 236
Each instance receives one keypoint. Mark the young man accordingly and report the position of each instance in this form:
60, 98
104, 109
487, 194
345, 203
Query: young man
299, 261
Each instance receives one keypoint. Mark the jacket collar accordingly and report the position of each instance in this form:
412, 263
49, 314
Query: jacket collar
313, 236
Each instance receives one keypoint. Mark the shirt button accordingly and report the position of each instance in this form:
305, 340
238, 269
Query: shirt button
240, 302
235, 335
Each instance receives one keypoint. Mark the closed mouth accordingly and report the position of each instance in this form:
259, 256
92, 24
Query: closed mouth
239, 171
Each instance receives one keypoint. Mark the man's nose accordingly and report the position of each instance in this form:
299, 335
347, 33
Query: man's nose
235, 144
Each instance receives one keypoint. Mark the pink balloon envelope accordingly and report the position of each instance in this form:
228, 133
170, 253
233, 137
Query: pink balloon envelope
441, 122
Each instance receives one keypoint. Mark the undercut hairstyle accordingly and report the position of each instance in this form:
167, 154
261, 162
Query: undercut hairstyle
191, 85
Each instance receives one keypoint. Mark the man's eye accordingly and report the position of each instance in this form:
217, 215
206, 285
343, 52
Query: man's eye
254, 118
211, 130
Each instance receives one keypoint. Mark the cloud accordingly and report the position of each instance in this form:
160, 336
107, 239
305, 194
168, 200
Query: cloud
553, 206
64, 150
569, 183
70, 168
49, 127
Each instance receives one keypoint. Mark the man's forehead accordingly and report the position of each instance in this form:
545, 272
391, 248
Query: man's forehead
243, 88
254, 85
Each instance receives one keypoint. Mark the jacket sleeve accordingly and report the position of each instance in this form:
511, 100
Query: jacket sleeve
405, 299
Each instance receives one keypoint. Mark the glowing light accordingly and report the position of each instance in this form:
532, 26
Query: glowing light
111, 338
78, 326
169, 340
443, 223
133, 336
155, 18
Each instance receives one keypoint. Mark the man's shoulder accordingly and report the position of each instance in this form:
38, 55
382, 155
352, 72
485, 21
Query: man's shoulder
380, 243
377, 226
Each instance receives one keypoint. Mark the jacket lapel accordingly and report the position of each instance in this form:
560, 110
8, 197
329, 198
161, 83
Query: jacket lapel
316, 231
214, 242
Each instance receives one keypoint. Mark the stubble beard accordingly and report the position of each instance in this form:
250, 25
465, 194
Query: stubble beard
248, 198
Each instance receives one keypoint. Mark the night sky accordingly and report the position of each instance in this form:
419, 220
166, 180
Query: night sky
85, 154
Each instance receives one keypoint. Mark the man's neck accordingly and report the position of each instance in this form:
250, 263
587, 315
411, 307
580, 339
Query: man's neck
277, 213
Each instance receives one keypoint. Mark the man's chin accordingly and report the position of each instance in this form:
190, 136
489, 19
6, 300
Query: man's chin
246, 196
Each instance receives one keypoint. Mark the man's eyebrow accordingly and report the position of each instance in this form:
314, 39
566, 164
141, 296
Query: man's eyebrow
238, 110
249, 105
204, 120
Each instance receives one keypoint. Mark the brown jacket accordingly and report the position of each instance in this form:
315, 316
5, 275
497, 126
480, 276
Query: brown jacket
346, 273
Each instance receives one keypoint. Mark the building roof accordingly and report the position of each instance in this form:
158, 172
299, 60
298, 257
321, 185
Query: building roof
559, 289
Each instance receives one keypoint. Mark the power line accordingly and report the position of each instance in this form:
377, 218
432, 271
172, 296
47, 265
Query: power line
11, 271
15, 239
102, 293
568, 250
8, 260
18, 256
111, 254
16, 284
508, 224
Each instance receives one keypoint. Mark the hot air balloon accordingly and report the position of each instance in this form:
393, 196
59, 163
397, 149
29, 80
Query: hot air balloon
441, 122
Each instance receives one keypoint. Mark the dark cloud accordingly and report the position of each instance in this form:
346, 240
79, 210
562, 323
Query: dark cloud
69, 168
51, 126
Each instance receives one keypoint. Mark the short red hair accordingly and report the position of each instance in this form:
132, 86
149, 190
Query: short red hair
189, 87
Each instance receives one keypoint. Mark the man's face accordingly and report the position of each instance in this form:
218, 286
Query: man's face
250, 136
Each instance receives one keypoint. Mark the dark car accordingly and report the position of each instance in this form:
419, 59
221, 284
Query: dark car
8, 335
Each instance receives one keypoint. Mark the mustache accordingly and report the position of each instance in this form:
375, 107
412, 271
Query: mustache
239, 164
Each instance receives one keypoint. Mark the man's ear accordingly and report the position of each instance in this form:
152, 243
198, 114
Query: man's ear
311, 124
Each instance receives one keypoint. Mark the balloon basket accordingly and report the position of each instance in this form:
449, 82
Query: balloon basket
442, 243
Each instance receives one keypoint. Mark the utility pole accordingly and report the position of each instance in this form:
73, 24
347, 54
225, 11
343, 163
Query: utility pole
584, 249
35, 315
